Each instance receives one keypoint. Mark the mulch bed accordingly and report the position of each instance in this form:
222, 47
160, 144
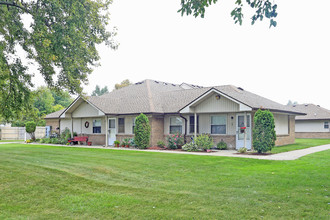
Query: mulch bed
160, 148
255, 153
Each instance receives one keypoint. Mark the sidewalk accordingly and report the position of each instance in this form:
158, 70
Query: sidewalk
291, 155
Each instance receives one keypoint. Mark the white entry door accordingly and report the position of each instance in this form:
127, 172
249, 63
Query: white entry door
243, 136
112, 131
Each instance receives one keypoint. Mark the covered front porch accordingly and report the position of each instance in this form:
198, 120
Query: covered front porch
217, 114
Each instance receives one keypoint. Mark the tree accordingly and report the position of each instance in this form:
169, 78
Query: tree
124, 83
98, 91
264, 135
61, 41
30, 128
262, 9
43, 101
61, 98
142, 131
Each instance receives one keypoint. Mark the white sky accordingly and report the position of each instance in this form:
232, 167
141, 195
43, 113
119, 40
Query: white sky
289, 62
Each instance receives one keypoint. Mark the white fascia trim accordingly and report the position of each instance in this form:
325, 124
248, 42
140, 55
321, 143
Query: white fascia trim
101, 113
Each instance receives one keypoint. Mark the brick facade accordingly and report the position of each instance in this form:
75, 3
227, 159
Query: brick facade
157, 129
324, 135
96, 139
54, 123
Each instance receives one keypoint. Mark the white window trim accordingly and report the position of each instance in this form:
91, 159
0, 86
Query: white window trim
212, 124
169, 128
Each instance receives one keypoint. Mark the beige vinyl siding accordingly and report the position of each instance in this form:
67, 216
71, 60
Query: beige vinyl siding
79, 125
85, 110
167, 123
281, 124
311, 126
212, 104
204, 123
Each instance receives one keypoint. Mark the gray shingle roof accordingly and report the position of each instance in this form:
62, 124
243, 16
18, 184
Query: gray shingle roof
150, 96
55, 114
313, 112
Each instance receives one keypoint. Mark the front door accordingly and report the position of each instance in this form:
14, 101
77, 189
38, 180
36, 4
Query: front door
112, 131
243, 131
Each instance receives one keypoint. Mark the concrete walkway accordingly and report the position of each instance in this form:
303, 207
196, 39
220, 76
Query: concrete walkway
291, 155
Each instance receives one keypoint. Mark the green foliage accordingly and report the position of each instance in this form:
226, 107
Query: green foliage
61, 40
204, 142
98, 91
66, 134
242, 150
191, 147
262, 9
30, 127
175, 141
142, 131
124, 83
222, 145
116, 142
160, 144
264, 134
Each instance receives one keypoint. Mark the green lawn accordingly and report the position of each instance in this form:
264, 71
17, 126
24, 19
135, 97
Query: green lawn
300, 144
11, 141
45, 182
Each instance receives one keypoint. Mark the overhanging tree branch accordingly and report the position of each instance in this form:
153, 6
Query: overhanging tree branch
16, 4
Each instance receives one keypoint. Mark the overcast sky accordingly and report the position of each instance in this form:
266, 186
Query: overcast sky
289, 62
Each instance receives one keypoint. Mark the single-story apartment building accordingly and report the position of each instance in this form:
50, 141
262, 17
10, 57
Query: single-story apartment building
316, 122
220, 111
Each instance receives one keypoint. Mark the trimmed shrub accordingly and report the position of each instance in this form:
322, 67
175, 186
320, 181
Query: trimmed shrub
264, 134
66, 134
204, 142
30, 127
161, 144
242, 150
190, 147
142, 131
175, 141
222, 145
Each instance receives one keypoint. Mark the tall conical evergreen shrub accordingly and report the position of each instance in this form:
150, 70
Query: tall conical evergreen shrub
264, 135
142, 131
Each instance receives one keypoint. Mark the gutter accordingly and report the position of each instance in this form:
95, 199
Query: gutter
185, 128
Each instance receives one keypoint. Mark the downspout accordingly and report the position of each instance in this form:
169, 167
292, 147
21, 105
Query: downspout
185, 128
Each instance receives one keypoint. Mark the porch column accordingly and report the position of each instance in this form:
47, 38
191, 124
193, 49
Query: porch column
71, 127
245, 124
195, 125
106, 131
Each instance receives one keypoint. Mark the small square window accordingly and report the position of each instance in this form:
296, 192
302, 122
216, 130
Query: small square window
326, 125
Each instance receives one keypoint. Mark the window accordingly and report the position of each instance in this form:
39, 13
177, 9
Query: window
97, 126
121, 125
326, 125
218, 124
175, 125
192, 124
133, 125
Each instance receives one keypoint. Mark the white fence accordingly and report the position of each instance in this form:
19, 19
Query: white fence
19, 133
